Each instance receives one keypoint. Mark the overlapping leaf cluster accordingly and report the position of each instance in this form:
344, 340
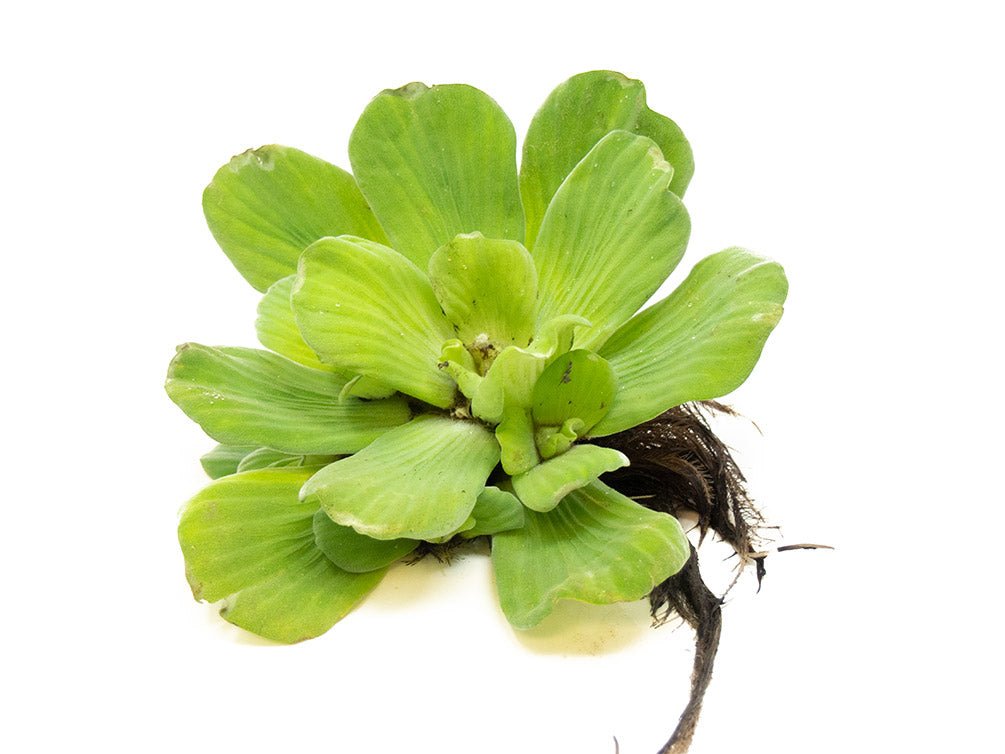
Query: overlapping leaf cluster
446, 334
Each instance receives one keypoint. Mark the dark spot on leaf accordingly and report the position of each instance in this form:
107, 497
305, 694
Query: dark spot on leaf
566, 378
443, 365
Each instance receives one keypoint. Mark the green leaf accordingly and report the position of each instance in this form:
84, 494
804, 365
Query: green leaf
495, 511
611, 236
267, 458
277, 330
578, 114
543, 487
515, 435
488, 289
418, 481
244, 396
597, 546
249, 540
577, 385
700, 342
354, 552
223, 460
276, 326
553, 440
435, 162
267, 205
508, 383
366, 309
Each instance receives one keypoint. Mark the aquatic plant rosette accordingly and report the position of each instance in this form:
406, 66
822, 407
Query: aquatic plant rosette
446, 342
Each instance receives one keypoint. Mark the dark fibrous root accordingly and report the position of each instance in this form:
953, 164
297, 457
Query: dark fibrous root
685, 594
678, 465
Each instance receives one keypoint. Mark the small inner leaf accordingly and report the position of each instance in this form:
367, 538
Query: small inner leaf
508, 383
515, 435
543, 487
488, 290
577, 385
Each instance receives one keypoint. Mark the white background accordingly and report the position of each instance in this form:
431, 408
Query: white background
860, 144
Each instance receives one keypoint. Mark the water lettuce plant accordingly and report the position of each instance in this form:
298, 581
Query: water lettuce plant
449, 342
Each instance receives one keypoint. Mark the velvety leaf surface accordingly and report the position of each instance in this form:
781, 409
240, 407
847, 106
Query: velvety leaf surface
488, 289
367, 309
578, 114
354, 552
435, 162
700, 342
418, 481
611, 236
223, 460
244, 396
546, 484
249, 540
269, 204
596, 546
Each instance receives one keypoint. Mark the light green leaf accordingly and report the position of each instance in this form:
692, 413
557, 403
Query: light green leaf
578, 114
553, 440
354, 552
495, 510
267, 205
244, 396
556, 336
435, 162
457, 361
267, 458
223, 460
277, 327
249, 540
577, 385
515, 435
277, 330
543, 487
488, 289
611, 236
418, 481
700, 342
597, 546
508, 383
366, 309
